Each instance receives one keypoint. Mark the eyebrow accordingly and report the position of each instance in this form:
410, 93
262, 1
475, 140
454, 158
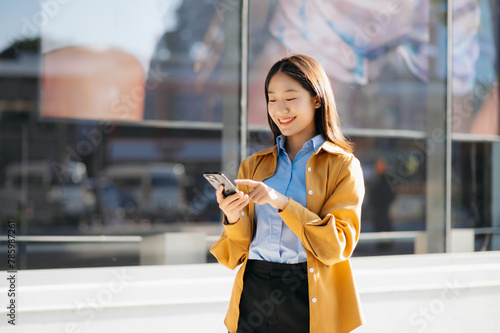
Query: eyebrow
288, 90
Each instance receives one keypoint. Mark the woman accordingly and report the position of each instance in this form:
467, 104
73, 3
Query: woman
296, 219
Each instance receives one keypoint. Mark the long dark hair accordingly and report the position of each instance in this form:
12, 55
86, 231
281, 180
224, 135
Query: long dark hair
312, 77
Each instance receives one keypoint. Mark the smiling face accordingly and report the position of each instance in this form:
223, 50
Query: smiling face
292, 108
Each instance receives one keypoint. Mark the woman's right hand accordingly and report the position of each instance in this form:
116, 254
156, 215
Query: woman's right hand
232, 204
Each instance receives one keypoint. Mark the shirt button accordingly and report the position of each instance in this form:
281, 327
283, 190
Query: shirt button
311, 270
309, 169
310, 192
314, 300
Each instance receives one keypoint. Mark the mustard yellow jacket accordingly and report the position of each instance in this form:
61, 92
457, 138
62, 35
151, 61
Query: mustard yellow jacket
329, 229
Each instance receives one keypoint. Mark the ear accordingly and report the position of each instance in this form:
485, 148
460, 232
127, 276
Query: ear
317, 102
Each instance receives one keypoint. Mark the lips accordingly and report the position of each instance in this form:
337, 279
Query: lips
286, 121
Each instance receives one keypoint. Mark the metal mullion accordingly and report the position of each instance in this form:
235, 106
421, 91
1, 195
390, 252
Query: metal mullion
449, 129
244, 80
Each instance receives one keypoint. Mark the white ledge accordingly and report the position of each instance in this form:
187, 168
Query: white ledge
194, 298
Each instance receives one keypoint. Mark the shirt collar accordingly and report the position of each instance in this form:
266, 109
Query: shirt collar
326, 146
311, 145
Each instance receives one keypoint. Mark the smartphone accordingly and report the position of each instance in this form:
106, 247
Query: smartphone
217, 179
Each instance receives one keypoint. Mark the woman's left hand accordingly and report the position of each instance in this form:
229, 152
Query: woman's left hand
263, 194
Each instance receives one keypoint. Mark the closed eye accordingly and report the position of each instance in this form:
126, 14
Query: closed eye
290, 99
272, 100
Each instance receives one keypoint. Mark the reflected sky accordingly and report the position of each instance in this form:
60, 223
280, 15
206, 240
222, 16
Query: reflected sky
13, 18
131, 25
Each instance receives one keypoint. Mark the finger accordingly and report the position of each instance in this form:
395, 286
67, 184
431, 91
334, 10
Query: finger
220, 189
243, 203
225, 202
252, 195
237, 205
235, 196
240, 203
247, 182
258, 197
221, 198
256, 194
218, 193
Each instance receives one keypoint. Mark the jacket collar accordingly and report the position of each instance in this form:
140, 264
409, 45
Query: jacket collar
327, 146
331, 148
267, 151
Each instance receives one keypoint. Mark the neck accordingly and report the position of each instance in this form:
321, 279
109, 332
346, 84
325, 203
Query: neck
294, 143
292, 148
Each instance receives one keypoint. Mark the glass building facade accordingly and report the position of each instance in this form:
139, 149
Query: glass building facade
111, 111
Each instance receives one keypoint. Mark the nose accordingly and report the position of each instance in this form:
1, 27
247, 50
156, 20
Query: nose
281, 107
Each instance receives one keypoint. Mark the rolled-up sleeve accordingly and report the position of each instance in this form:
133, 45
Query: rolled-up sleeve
232, 247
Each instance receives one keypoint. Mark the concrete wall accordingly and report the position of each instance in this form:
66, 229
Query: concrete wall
402, 294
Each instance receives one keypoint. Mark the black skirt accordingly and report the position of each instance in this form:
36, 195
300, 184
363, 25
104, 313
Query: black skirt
274, 298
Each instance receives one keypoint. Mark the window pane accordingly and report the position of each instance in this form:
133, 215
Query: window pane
108, 119
395, 178
387, 64
476, 121
375, 53
472, 190
475, 67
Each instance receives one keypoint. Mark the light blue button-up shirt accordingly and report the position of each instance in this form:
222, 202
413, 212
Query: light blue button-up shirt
274, 241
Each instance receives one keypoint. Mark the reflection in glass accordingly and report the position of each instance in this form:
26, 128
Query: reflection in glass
476, 119
472, 172
109, 115
475, 62
473, 202
394, 171
137, 60
375, 53
95, 63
